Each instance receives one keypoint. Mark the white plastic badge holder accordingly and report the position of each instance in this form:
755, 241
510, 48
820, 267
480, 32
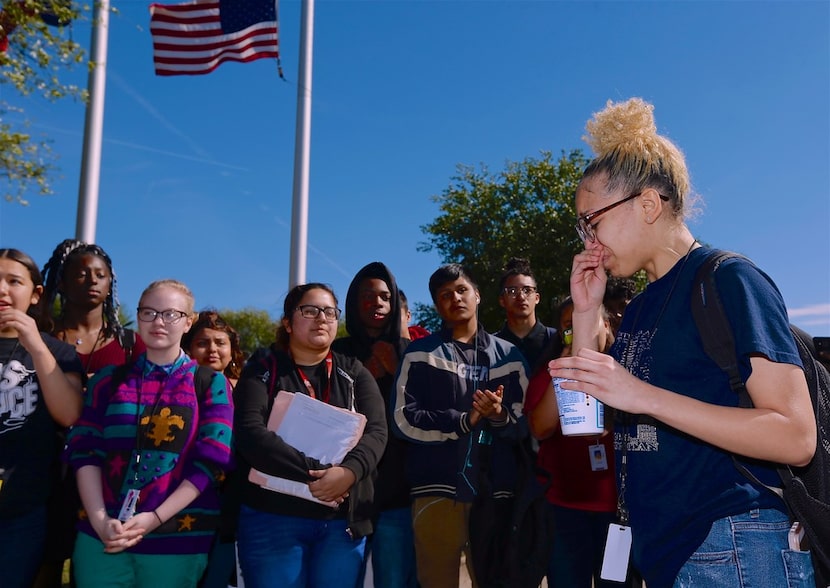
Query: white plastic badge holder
617, 550
128, 507
599, 461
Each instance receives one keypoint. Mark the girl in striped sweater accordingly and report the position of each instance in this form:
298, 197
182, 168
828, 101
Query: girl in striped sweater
149, 450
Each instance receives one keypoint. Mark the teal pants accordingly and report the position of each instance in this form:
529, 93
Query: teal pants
95, 569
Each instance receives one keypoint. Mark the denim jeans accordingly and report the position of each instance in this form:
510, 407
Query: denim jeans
296, 552
748, 550
393, 550
21, 548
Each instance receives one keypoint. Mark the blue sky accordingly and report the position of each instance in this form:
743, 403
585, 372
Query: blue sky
197, 170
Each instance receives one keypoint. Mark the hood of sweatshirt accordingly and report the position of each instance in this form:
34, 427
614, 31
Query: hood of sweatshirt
355, 327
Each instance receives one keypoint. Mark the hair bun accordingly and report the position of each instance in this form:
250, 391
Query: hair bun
623, 126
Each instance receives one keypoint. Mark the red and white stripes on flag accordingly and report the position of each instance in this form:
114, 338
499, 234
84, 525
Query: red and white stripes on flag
195, 38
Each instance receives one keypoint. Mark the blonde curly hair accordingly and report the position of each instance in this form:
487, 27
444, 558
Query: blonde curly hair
632, 156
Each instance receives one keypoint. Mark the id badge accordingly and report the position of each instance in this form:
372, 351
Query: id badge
128, 507
599, 460
617, 551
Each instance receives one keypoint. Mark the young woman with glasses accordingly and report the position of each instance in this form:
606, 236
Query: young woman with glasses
149, 450
679, 424
285, 540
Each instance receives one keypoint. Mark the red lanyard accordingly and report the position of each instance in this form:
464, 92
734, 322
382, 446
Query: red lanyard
308, 385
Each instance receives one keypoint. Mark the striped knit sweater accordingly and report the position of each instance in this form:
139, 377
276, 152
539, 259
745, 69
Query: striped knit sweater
180, 437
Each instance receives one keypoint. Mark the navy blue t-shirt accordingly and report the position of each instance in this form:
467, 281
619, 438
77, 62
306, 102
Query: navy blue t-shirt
677, 485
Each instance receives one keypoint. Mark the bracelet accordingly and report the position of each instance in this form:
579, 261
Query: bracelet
158, 517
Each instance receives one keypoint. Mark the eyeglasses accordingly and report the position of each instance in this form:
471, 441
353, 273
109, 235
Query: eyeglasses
514, 291
309, 311
585, 229
170, 316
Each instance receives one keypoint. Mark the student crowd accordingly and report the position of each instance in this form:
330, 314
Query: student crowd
156, 433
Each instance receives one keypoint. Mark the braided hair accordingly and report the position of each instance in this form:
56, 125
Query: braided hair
53, 274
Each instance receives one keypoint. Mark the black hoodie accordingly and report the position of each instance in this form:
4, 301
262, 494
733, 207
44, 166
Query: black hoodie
391, 487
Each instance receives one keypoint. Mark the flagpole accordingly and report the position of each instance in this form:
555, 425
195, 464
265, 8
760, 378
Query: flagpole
302, 150
93, 126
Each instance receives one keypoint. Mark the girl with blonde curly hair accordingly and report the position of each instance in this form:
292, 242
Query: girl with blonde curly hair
679, 425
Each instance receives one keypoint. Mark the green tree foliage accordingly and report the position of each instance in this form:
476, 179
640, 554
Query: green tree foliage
526, 210
125, 318
35, 57
256, 328
426, 316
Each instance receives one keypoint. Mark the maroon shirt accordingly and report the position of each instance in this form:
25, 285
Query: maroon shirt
110, 354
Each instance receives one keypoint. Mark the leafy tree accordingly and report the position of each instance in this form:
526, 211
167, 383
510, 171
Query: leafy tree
125, 318
526, 210
256, 328
341, 329
32, 58
426, 316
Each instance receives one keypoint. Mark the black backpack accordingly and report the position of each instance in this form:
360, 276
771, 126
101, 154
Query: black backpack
806, 490
510, 538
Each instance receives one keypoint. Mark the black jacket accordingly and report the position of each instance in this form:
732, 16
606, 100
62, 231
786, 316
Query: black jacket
257, 447
391, 486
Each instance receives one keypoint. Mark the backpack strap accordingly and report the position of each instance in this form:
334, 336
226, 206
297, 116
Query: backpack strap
712, 324
202, 380
269, 363
126, 339
719, 341
119, 374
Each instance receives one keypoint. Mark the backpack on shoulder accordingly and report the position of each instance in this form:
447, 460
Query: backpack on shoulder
806, 490
232, 491
510, 538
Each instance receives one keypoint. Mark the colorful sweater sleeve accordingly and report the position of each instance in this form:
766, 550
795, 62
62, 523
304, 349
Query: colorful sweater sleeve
85, 442
210, 456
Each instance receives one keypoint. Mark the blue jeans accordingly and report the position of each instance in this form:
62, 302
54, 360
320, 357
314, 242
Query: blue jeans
393, 550
578, 546
748, 550
296, 552
21, 547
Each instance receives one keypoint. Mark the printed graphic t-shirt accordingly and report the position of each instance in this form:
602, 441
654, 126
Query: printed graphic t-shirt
28, 440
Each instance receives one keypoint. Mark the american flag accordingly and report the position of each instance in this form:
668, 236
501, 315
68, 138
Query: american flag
194, 38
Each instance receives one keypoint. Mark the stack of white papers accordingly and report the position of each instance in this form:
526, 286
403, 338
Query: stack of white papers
324, 432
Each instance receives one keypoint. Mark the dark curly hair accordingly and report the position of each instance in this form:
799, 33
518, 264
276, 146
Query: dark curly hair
517, 266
